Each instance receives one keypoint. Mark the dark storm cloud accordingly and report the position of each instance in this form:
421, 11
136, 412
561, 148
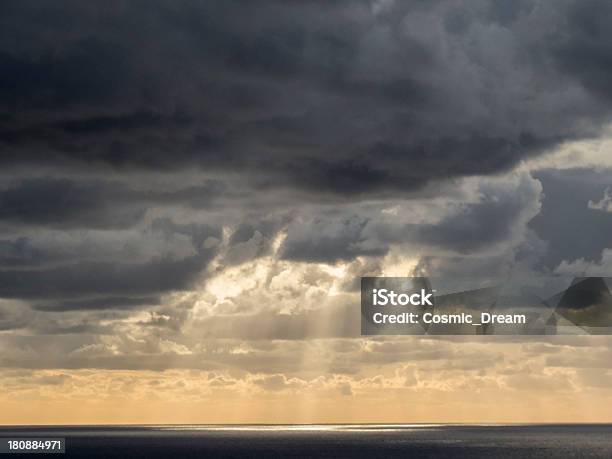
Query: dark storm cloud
246, 231
479, 225
68, 203
327, 241
197, 232
81, 279
346, 98
98, 303
503, 208
20, 252
57, 80
586, 52
572, 229
62, 202
84, 284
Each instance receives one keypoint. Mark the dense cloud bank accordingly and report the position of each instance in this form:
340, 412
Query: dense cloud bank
350, 98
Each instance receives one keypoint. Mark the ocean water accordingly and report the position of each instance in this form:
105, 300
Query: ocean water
328, 441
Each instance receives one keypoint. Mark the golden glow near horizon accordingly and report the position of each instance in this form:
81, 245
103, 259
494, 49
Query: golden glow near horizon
432, 391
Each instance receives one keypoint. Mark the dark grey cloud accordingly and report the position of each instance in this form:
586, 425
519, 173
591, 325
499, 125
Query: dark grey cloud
20, 252
253, 239
78, 75
245, 232
572, 229
351, 98
585, 52
86, 203
98, 303
73, 282
490, 221
82, 279
62, 202
324, 240
197, 232
497, 217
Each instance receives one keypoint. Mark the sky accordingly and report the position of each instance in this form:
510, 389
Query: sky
191, 191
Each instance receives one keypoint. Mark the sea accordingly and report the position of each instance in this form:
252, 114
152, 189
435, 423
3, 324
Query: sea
326, 441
